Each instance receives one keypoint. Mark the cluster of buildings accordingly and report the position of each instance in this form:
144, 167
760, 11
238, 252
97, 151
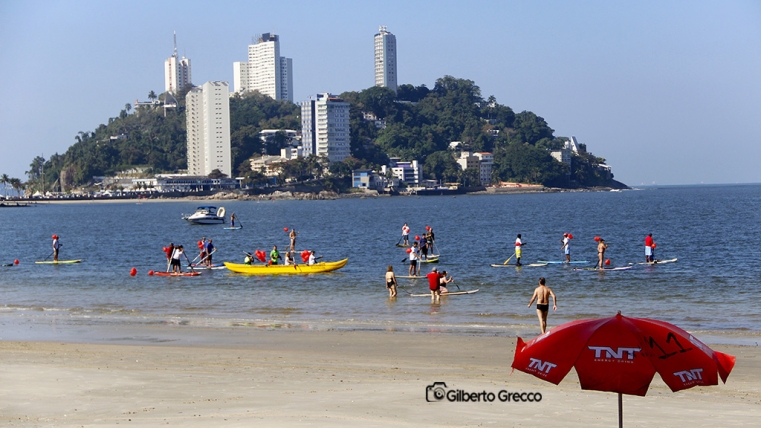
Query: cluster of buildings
324, 117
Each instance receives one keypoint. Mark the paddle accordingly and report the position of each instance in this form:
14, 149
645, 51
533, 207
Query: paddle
508, 259
48, 256
190, 265
206, 256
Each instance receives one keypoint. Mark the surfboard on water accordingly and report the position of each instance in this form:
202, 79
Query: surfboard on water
658, 262
430, 260
59, 262
176, 273
561, 262
403, 246
605, 269
233, 228
411, 277
213, 266
451, 293
522, 265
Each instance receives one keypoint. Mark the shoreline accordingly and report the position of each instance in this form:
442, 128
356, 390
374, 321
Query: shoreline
298, 378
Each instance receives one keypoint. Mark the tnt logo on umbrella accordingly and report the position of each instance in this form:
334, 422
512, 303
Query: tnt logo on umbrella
541, 366
611, 354
690, 376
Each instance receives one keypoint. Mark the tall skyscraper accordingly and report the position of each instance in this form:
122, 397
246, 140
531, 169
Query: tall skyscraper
325, 127
176, 71
385, 59
207, 110
265, 71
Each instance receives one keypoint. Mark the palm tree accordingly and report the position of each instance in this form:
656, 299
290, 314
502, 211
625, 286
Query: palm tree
128, 107
4, 179
17, 185
152, 96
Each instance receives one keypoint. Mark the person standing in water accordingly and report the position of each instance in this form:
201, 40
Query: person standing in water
232, 220
413, 260
292, 235
406, 234
391, 281
542, 295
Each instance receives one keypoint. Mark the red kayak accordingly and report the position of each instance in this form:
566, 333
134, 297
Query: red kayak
176, 273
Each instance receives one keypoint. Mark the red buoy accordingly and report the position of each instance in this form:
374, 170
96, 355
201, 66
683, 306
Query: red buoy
133, 272
150, 273
285, 229
15, 262
597, 238
607, 262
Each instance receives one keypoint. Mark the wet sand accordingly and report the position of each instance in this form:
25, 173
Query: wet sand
170, 375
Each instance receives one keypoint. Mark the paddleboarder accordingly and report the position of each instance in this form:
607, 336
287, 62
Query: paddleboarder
56, 247
601, 247
566, 247
232, 220
406, 234
209, 252
292, 235
649, 248
518, 245
413, 259
169, 251
542, 295
202, 249
424, 249
444, 279
391, 281
429, 239
176, 256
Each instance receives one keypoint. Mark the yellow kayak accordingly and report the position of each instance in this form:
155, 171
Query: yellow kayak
299, 269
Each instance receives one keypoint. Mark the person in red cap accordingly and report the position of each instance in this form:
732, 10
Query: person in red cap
56, 247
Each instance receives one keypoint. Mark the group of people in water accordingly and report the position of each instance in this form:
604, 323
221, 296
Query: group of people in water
175, 254
565, 247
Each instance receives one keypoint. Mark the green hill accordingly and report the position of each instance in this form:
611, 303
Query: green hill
416, 123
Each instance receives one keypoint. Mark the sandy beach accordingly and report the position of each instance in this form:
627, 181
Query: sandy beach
172, 375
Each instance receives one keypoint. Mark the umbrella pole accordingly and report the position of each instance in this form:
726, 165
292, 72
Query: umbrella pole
620, 411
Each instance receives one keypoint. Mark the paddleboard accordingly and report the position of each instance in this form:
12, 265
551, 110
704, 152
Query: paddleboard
451, 293
658, 262
558, 262
59, 262
605, 269
7, 264
411, 277
430, 260
516, 266
403, 246
213, 266
233, 228
176, 273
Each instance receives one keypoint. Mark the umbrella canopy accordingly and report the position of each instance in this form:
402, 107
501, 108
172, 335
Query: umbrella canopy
621, 354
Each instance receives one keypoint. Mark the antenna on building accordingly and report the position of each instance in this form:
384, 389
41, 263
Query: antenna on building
175, 45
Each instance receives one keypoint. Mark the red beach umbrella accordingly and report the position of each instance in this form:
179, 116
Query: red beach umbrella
621, 354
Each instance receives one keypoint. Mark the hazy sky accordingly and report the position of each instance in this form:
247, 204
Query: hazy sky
669, 92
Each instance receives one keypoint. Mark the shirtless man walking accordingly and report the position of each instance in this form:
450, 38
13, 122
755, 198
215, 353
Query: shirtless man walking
542, 296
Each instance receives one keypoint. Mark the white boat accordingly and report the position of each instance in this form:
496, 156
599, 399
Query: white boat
206, 215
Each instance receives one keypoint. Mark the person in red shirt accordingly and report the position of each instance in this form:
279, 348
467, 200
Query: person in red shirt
168, 251
649, 248
434, 284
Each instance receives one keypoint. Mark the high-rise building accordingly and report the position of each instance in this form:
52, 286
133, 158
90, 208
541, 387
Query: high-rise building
207, 111
176, 71
265, 71
385, 59
325, 127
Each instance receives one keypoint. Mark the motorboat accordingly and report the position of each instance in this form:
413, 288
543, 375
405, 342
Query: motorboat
206, 215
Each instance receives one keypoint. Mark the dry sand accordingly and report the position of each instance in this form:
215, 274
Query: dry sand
258, 377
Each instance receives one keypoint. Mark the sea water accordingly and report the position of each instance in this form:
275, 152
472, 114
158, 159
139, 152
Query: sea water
713, 289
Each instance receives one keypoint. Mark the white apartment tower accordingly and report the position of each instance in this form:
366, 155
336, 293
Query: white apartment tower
207, 111
265, 71
385, 59
176, 71
325, 127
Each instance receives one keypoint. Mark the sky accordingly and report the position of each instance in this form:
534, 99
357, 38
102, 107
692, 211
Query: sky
668, 92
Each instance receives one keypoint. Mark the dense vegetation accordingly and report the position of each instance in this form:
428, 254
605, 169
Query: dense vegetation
419, 123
